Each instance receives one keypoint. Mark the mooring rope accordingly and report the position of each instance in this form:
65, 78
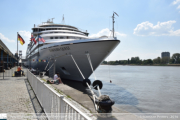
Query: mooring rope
52, 65
89, 59
47, 64
53, 58
77, 67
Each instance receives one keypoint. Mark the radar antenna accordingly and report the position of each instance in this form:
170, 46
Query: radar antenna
52, 20
113, 22
63, 21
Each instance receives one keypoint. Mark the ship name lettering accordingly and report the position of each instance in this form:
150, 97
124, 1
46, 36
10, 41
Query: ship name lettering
59, 49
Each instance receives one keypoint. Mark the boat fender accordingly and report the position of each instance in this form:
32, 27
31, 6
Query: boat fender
84, 82
99, 83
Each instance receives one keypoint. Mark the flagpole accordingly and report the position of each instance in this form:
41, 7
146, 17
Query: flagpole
17, 51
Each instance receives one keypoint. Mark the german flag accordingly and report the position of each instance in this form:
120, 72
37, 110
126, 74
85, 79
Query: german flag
21, 39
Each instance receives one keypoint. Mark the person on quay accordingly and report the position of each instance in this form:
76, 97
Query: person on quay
57, 80
20, 70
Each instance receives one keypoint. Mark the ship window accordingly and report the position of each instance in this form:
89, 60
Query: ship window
61, 37
35, 30
56, 37
51, 37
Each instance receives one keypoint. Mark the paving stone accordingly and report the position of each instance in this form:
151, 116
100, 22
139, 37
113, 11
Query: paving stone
16, 95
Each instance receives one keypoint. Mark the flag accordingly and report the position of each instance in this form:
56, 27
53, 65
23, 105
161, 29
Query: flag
33, 39
39, 60
21, 39
33, 59
41, 39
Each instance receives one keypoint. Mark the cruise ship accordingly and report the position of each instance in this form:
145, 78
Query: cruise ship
75, 54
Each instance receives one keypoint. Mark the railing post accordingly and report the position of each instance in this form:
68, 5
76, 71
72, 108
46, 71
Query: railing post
52, 100
62, 108
74, 114
57, 107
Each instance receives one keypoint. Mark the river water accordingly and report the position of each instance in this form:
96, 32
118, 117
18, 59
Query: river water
141, 89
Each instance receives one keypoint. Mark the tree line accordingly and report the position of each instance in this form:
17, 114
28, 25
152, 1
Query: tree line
175, 59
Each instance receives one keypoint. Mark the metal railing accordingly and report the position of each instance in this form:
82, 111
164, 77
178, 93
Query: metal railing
53, 103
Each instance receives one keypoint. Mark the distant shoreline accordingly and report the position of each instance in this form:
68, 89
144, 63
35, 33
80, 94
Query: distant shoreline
174, 65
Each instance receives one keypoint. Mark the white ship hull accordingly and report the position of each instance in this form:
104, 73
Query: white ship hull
98, 51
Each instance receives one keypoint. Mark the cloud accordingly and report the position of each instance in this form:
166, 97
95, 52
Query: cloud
120, 34
5, 38
26, 35
178, 7
175, 2
162, 28
107, 32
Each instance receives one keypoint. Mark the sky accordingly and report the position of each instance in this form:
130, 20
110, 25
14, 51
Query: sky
145, 27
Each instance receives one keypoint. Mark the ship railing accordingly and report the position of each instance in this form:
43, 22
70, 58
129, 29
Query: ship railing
55, 105
39, 25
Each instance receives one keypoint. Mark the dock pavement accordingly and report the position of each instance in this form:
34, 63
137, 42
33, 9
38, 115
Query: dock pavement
16, 96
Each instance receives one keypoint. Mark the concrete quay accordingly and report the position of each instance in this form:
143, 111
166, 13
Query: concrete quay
82, 95
77, 92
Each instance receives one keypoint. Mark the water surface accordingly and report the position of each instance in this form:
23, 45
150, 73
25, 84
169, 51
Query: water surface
142, 89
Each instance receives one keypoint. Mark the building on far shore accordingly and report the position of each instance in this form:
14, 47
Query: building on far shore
165, 57
165, 54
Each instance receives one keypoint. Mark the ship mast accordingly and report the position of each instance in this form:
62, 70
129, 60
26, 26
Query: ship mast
63, 21
113, 22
